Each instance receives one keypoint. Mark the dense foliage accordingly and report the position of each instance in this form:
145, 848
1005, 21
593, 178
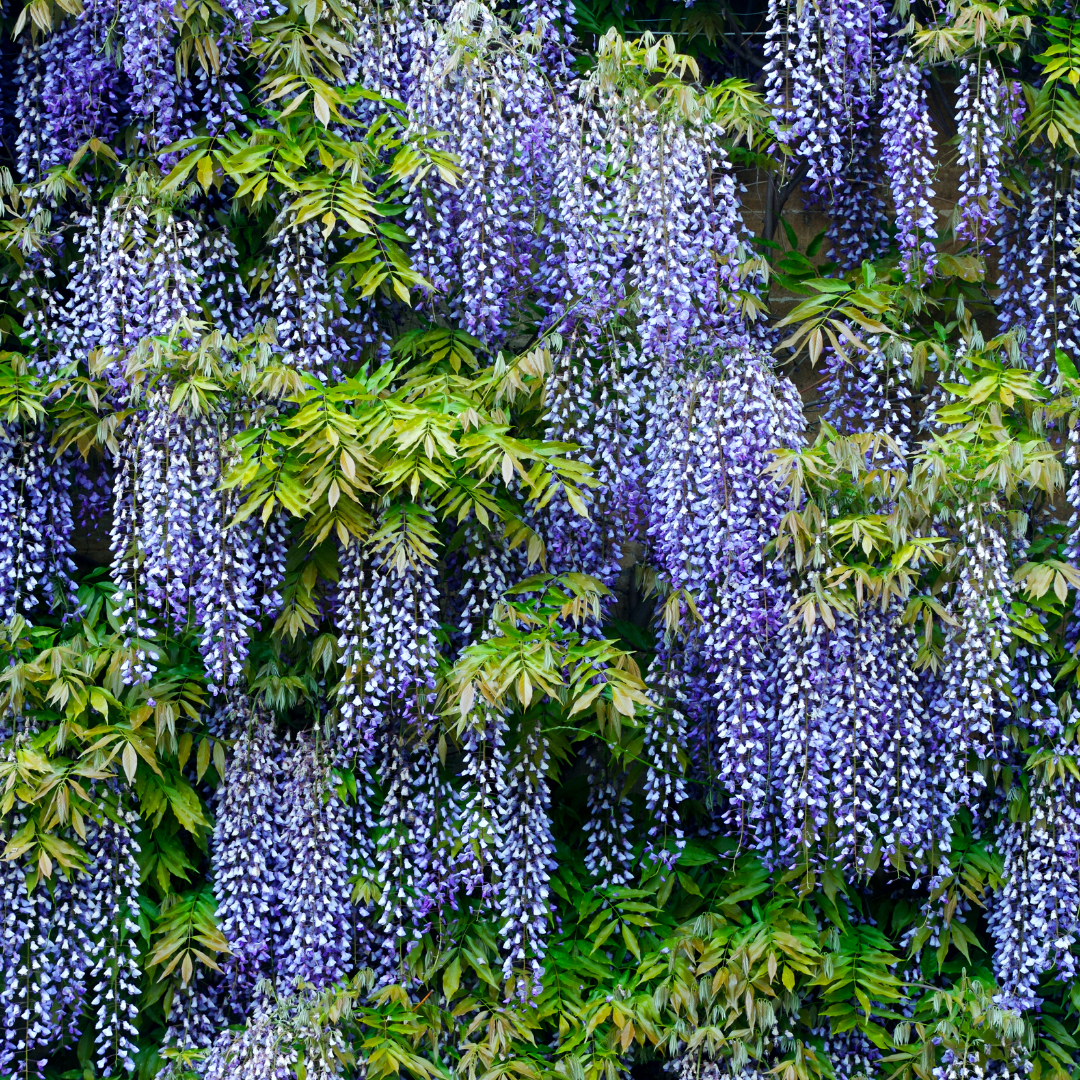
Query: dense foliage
440, 638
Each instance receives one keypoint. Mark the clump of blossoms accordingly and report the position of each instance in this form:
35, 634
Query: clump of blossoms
908, 153
477, 238
870, 391
981, 100
822, 75
1036, 916
972, 701
525, 857
1039, 266
248, 861
744, 616
68, 92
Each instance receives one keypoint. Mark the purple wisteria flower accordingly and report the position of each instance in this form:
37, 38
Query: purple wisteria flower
249, 861
981, 112
908, 153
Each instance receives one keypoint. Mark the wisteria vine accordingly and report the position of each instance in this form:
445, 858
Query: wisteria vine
487, 591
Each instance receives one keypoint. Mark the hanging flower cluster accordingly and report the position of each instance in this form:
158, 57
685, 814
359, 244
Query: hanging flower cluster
972, 699
822, 74
68, 93
852, 746
1038, 266
982, 117
908, 153
1036, 917
70, 957
477, 239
